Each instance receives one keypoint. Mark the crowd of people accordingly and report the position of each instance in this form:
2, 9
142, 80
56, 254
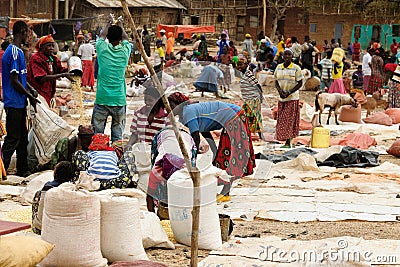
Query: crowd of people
109, 160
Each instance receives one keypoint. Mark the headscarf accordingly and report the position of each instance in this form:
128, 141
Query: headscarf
288, 49
44, 40
100, 142
170, 34
178, 98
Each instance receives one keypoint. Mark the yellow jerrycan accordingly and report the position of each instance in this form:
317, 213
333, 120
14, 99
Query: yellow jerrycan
320, 137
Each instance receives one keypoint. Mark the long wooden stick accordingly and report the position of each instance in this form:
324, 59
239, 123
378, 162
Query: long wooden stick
194, 173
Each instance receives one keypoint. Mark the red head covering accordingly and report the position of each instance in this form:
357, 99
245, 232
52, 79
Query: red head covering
178, 98
100, 142
43, 40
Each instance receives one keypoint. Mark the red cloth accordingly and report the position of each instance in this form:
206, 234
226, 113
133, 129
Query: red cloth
178, 98
44, 40
390, 67
358, 140
88, 73
100, 142
356, 51
39, 66
288, 120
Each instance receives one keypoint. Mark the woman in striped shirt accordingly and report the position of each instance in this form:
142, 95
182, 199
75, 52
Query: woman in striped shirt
149, 119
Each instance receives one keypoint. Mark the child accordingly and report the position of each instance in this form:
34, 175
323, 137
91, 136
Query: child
232, 49
63, 173
326, 71
358, 78
337, 85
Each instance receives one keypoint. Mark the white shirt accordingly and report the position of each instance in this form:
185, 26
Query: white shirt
86, 51
365, 66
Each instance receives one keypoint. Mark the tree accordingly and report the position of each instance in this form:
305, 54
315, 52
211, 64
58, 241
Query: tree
278, 10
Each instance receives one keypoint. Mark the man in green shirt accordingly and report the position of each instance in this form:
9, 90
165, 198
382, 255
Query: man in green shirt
111, 86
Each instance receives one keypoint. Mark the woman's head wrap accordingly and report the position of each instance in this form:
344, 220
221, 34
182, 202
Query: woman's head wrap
44, 40
178, 98
100, 142
288, 49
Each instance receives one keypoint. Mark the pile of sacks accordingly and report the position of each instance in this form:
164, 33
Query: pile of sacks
93, 228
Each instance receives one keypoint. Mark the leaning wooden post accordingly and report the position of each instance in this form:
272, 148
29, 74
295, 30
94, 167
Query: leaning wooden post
194, 172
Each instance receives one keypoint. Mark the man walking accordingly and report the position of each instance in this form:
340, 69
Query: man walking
15, 97
111, 87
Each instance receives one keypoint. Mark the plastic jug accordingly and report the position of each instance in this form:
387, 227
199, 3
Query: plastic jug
320, 137
337, 55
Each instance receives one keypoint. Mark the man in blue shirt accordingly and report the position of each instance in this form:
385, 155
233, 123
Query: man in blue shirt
15, 97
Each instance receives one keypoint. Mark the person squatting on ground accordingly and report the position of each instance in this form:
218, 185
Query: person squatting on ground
15, 95
63, 173
235, 152
166, 158
111, 86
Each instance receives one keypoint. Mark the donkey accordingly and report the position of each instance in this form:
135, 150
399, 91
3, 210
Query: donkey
334, 102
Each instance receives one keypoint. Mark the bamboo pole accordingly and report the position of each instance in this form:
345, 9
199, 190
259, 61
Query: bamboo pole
194, 172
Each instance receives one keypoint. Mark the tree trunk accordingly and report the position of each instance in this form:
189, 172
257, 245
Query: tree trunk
274, 26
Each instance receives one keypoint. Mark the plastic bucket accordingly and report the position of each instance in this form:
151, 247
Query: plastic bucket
75, 66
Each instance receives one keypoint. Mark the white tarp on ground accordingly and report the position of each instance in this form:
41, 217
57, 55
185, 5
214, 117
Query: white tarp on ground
273, 251
290, 204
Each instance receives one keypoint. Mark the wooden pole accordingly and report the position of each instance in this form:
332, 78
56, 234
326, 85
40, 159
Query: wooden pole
56, 7
264, 16
194, 248
194, 173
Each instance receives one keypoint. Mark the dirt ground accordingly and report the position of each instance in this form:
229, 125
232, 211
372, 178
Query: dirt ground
286, 230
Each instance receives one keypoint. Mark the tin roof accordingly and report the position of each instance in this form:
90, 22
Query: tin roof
138, 3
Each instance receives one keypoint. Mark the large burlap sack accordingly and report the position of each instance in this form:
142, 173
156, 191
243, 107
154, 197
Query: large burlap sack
120, 229
394, 113
48, 129
379, 118
17, 251
36, 184
153, 234
180, 205
395, 148
350, 114
71, 221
